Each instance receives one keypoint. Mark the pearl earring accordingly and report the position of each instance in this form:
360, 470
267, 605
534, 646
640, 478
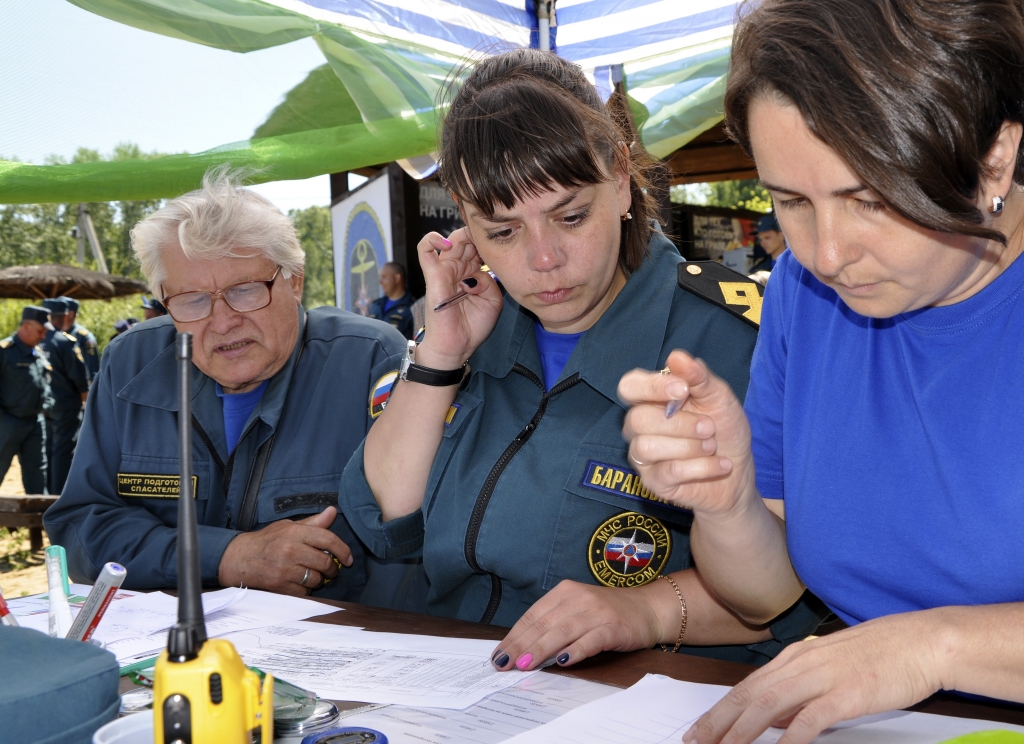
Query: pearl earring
629, 216
997, 205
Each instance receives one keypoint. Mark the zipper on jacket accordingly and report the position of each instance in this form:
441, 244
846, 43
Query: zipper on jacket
483, 498
224, 468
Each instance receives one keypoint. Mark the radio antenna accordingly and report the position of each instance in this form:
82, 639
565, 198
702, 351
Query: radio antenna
187, 636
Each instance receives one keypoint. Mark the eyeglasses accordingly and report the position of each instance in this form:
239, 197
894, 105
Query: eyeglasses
244, 297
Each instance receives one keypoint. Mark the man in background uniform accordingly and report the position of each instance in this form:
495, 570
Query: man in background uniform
24, 396
395, 306
84, 336
152, 308
69, 383
773, 244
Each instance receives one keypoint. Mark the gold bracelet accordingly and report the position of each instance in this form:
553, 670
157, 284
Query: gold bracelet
682, 614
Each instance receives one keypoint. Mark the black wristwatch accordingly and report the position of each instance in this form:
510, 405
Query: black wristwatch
428, 375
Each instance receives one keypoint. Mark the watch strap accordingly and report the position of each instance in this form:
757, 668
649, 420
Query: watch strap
434, 377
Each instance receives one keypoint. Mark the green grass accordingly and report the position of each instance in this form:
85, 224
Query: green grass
98, 316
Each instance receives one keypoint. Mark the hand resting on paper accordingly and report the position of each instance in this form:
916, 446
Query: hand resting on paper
574, 621
276, 557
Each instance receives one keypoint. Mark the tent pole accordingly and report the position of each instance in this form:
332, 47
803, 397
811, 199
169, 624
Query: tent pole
80, 236
545, 9
85, 226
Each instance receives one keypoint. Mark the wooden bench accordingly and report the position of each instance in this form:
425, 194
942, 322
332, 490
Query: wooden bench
26, 511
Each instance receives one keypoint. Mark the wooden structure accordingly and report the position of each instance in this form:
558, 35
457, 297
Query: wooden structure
712, 156
26, 511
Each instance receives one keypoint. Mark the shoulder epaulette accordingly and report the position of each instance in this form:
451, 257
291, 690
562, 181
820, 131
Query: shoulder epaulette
730, 290
82, 332
70, 337
7, 343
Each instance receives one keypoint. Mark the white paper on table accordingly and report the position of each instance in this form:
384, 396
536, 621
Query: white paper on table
658, 710
526, 705
248, 609
341, 663
39, 604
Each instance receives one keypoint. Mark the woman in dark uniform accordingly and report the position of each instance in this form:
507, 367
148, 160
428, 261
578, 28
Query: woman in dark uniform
500, 453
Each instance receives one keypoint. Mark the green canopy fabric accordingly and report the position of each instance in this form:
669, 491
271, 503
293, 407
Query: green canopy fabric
386, 61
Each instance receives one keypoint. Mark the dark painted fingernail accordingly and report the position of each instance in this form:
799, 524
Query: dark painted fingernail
501, 661
564, 658
470, 282
496, 654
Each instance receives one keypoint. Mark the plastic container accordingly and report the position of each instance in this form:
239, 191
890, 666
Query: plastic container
134, 729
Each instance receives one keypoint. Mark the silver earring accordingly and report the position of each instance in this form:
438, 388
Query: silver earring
997, 205
629, 216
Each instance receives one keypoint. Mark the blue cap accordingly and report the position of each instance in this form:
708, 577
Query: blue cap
151, 303
56, 306
123, 325
33, 312
767, 223
73, 305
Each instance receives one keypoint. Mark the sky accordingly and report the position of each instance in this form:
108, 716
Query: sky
70, 79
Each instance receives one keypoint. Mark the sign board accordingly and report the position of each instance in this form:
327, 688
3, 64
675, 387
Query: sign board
438, 211
715, 234
361, 227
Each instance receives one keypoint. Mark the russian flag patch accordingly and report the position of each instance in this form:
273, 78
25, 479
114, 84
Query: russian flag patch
380, 393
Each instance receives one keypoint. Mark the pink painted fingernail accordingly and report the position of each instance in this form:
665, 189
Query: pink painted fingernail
524, 661
447, 242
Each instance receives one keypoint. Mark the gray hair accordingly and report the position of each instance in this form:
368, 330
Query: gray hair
219, 220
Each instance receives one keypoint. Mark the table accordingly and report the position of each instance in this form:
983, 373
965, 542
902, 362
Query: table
619, 669
626, 669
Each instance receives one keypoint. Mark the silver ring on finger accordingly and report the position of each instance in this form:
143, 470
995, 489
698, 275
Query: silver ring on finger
305, 577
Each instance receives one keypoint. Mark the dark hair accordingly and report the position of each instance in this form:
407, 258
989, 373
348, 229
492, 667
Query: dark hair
910, 93
398, 269
525, 120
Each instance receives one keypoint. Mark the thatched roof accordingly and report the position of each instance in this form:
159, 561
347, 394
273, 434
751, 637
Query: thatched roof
55, 280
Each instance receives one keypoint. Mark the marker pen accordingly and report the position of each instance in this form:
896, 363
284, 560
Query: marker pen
5, 614
103, 591
60, 610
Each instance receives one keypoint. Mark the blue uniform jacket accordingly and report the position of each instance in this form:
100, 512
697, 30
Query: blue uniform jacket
398, 315
24, 379
120, 501
87, 343
529, 488
70, 376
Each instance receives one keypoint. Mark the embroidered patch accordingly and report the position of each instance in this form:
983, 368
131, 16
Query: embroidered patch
600, 476
450, 418
146, 485
381, 392
629, 550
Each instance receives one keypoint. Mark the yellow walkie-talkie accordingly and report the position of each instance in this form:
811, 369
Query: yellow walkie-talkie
202, 692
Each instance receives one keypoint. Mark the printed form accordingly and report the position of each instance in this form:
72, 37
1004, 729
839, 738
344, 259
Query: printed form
526, 705
659, 710
342, 663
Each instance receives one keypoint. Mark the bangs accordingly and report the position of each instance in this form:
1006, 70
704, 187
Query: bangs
521, 138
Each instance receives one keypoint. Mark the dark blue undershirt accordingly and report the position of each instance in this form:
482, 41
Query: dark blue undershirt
555, 350
237, 408
389, 303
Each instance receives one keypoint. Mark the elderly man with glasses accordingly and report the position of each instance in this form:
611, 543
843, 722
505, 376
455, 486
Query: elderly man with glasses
281, 399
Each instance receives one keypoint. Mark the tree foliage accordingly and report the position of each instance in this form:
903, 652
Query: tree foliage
41, 233
749, 194
313, 226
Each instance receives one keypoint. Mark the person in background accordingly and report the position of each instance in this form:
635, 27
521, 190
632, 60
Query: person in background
395, 305
69, 382
24, 398
500, 456
281, 399
773, 243
86, 340
876, 460
123, 325
152, 308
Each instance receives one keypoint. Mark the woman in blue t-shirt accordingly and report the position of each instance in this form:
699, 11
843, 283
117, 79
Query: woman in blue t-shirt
878, 462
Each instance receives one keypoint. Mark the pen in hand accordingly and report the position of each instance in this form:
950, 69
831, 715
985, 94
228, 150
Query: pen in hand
460, 295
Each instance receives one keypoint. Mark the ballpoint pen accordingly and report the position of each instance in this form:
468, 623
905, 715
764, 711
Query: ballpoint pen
461, 294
